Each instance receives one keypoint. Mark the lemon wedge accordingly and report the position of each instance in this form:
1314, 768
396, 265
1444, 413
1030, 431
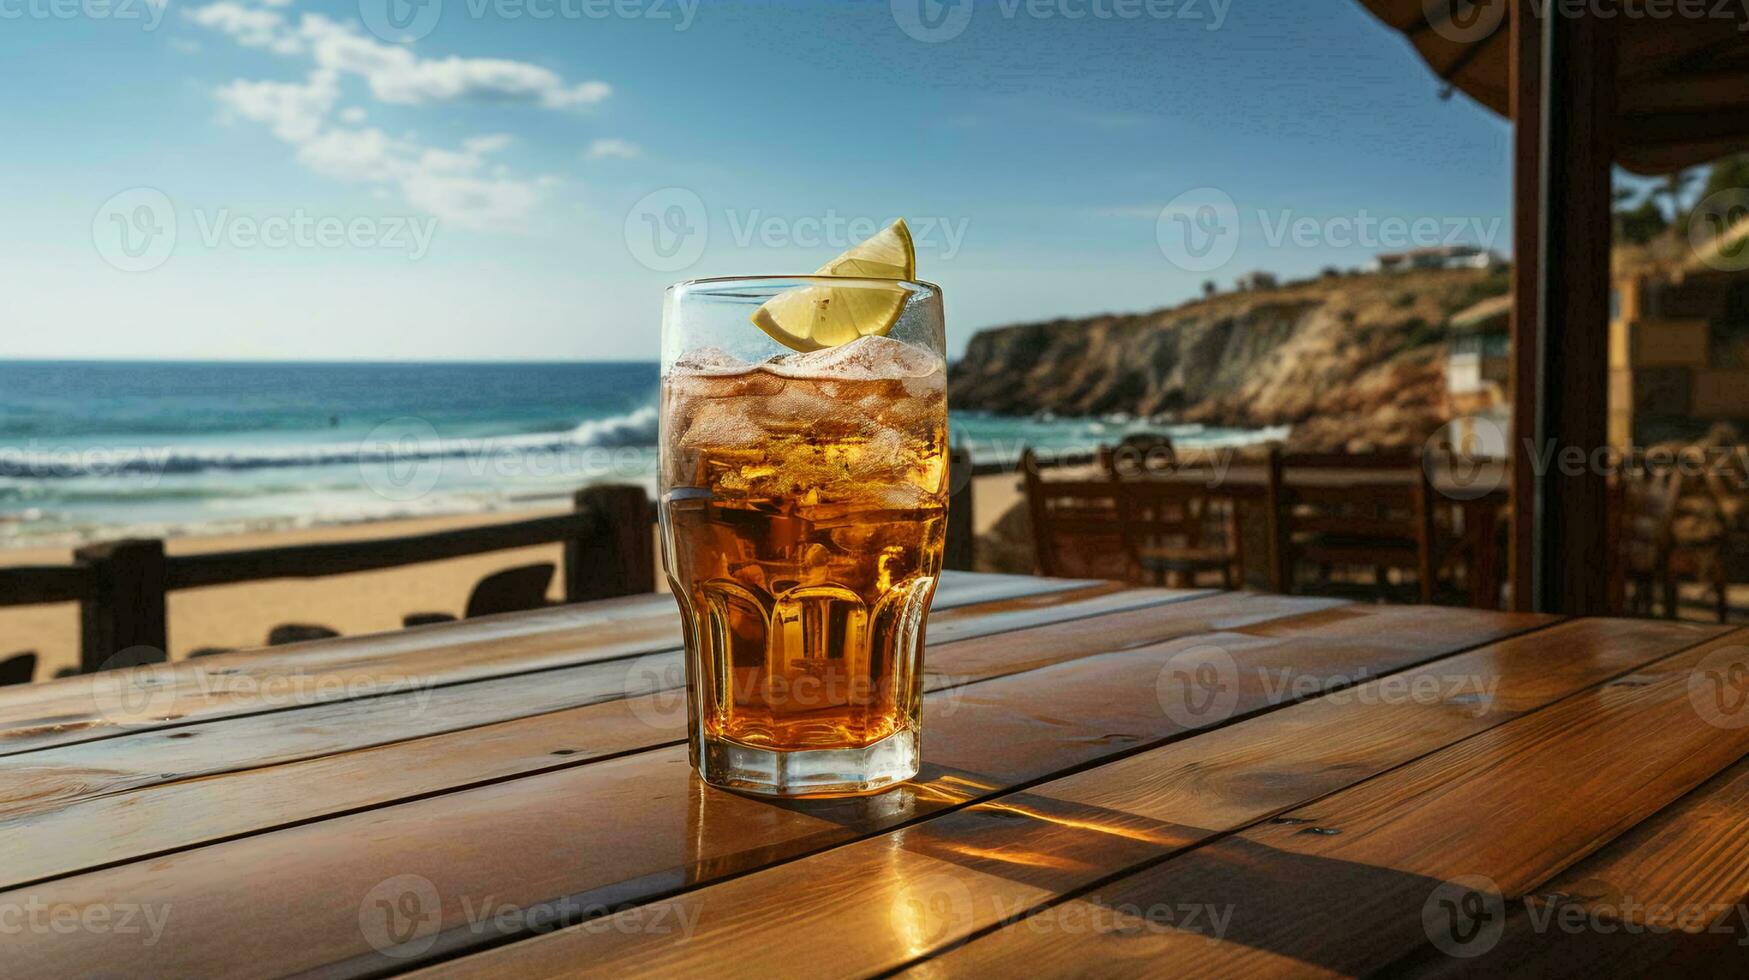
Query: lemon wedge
811, 318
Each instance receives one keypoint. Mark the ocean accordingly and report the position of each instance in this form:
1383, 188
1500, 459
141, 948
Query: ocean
90, 450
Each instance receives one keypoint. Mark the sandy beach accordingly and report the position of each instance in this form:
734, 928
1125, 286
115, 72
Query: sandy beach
239, 616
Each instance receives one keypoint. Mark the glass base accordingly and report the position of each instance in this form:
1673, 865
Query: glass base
813, 773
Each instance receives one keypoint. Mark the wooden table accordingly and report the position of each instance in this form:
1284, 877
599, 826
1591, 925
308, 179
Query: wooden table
1128, 781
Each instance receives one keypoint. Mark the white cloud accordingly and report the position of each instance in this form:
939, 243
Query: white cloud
475, 202
355, 155
396, 75
605, 148
454, 185
251, 27
295, 112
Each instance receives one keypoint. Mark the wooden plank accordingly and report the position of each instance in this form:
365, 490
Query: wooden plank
29, 585
54, 778
82, 709
1669, 897
969, 870
1342, 885
628, 829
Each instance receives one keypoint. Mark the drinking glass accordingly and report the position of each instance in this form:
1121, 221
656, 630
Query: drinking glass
804, 510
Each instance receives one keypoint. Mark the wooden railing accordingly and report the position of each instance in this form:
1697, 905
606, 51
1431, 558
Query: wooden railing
122, 587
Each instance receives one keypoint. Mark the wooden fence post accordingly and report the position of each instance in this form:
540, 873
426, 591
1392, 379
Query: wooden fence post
959, 512
125, 612
617, 557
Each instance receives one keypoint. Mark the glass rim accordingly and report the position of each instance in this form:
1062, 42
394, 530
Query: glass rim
806, 278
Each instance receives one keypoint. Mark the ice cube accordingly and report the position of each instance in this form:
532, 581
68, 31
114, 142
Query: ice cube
871, 358
709, 361
722, 425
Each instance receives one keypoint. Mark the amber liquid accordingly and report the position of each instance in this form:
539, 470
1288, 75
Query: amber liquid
803, 524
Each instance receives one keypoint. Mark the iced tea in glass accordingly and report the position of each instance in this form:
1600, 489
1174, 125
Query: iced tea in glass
804, 509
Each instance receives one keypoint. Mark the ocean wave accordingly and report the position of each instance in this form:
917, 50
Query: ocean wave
637, 428
413, 442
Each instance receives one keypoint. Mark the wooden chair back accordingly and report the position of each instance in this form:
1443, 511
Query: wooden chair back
512, 590
1364, 510
1179, 527
1077, 529
18, 669
1641, 523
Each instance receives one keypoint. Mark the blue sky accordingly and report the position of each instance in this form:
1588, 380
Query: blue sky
1039, 147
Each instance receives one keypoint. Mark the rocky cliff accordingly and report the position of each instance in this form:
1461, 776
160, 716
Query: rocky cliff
1351, 362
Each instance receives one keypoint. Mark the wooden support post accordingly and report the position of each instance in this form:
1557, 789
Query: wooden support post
617, 556
1526, 83
960, 532
123, 621
1570, 571
1280, 565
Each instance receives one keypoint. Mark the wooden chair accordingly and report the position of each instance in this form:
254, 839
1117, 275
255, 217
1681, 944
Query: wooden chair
512, 590
1371, 511
1640, 530
18, 669
1176, 531
298, 633
1076, 527
1701, 554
